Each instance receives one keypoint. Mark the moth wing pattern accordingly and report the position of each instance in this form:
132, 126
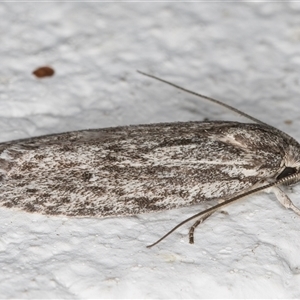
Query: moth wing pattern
135, 169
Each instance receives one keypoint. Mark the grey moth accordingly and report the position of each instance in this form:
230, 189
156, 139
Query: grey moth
136, 169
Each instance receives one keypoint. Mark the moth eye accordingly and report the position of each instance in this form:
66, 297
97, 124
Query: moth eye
286, 172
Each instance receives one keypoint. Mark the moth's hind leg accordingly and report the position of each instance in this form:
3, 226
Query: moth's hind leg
285, 200
198, 222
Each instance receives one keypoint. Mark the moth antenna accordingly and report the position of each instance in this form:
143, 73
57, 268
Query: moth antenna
219, 103
239, 112
211, 210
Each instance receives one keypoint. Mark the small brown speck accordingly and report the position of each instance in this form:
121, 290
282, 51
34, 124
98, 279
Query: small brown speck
288, 122
43, 72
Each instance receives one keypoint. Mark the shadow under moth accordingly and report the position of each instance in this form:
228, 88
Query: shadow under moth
136, 169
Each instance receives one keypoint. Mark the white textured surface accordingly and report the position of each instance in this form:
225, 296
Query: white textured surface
246, 54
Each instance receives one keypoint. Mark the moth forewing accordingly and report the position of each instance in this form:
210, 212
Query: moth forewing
146, 168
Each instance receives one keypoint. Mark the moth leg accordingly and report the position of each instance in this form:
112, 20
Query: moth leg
198, 222
285, 200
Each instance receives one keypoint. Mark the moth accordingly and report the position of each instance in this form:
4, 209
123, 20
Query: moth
137, 169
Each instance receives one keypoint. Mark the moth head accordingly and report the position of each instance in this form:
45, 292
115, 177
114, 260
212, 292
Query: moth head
290, 164
286, 173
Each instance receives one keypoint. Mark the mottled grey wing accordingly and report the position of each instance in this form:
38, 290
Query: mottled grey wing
135, 169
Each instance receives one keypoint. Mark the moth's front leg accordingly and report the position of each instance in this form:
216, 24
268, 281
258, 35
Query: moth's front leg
284, 199
198, 222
